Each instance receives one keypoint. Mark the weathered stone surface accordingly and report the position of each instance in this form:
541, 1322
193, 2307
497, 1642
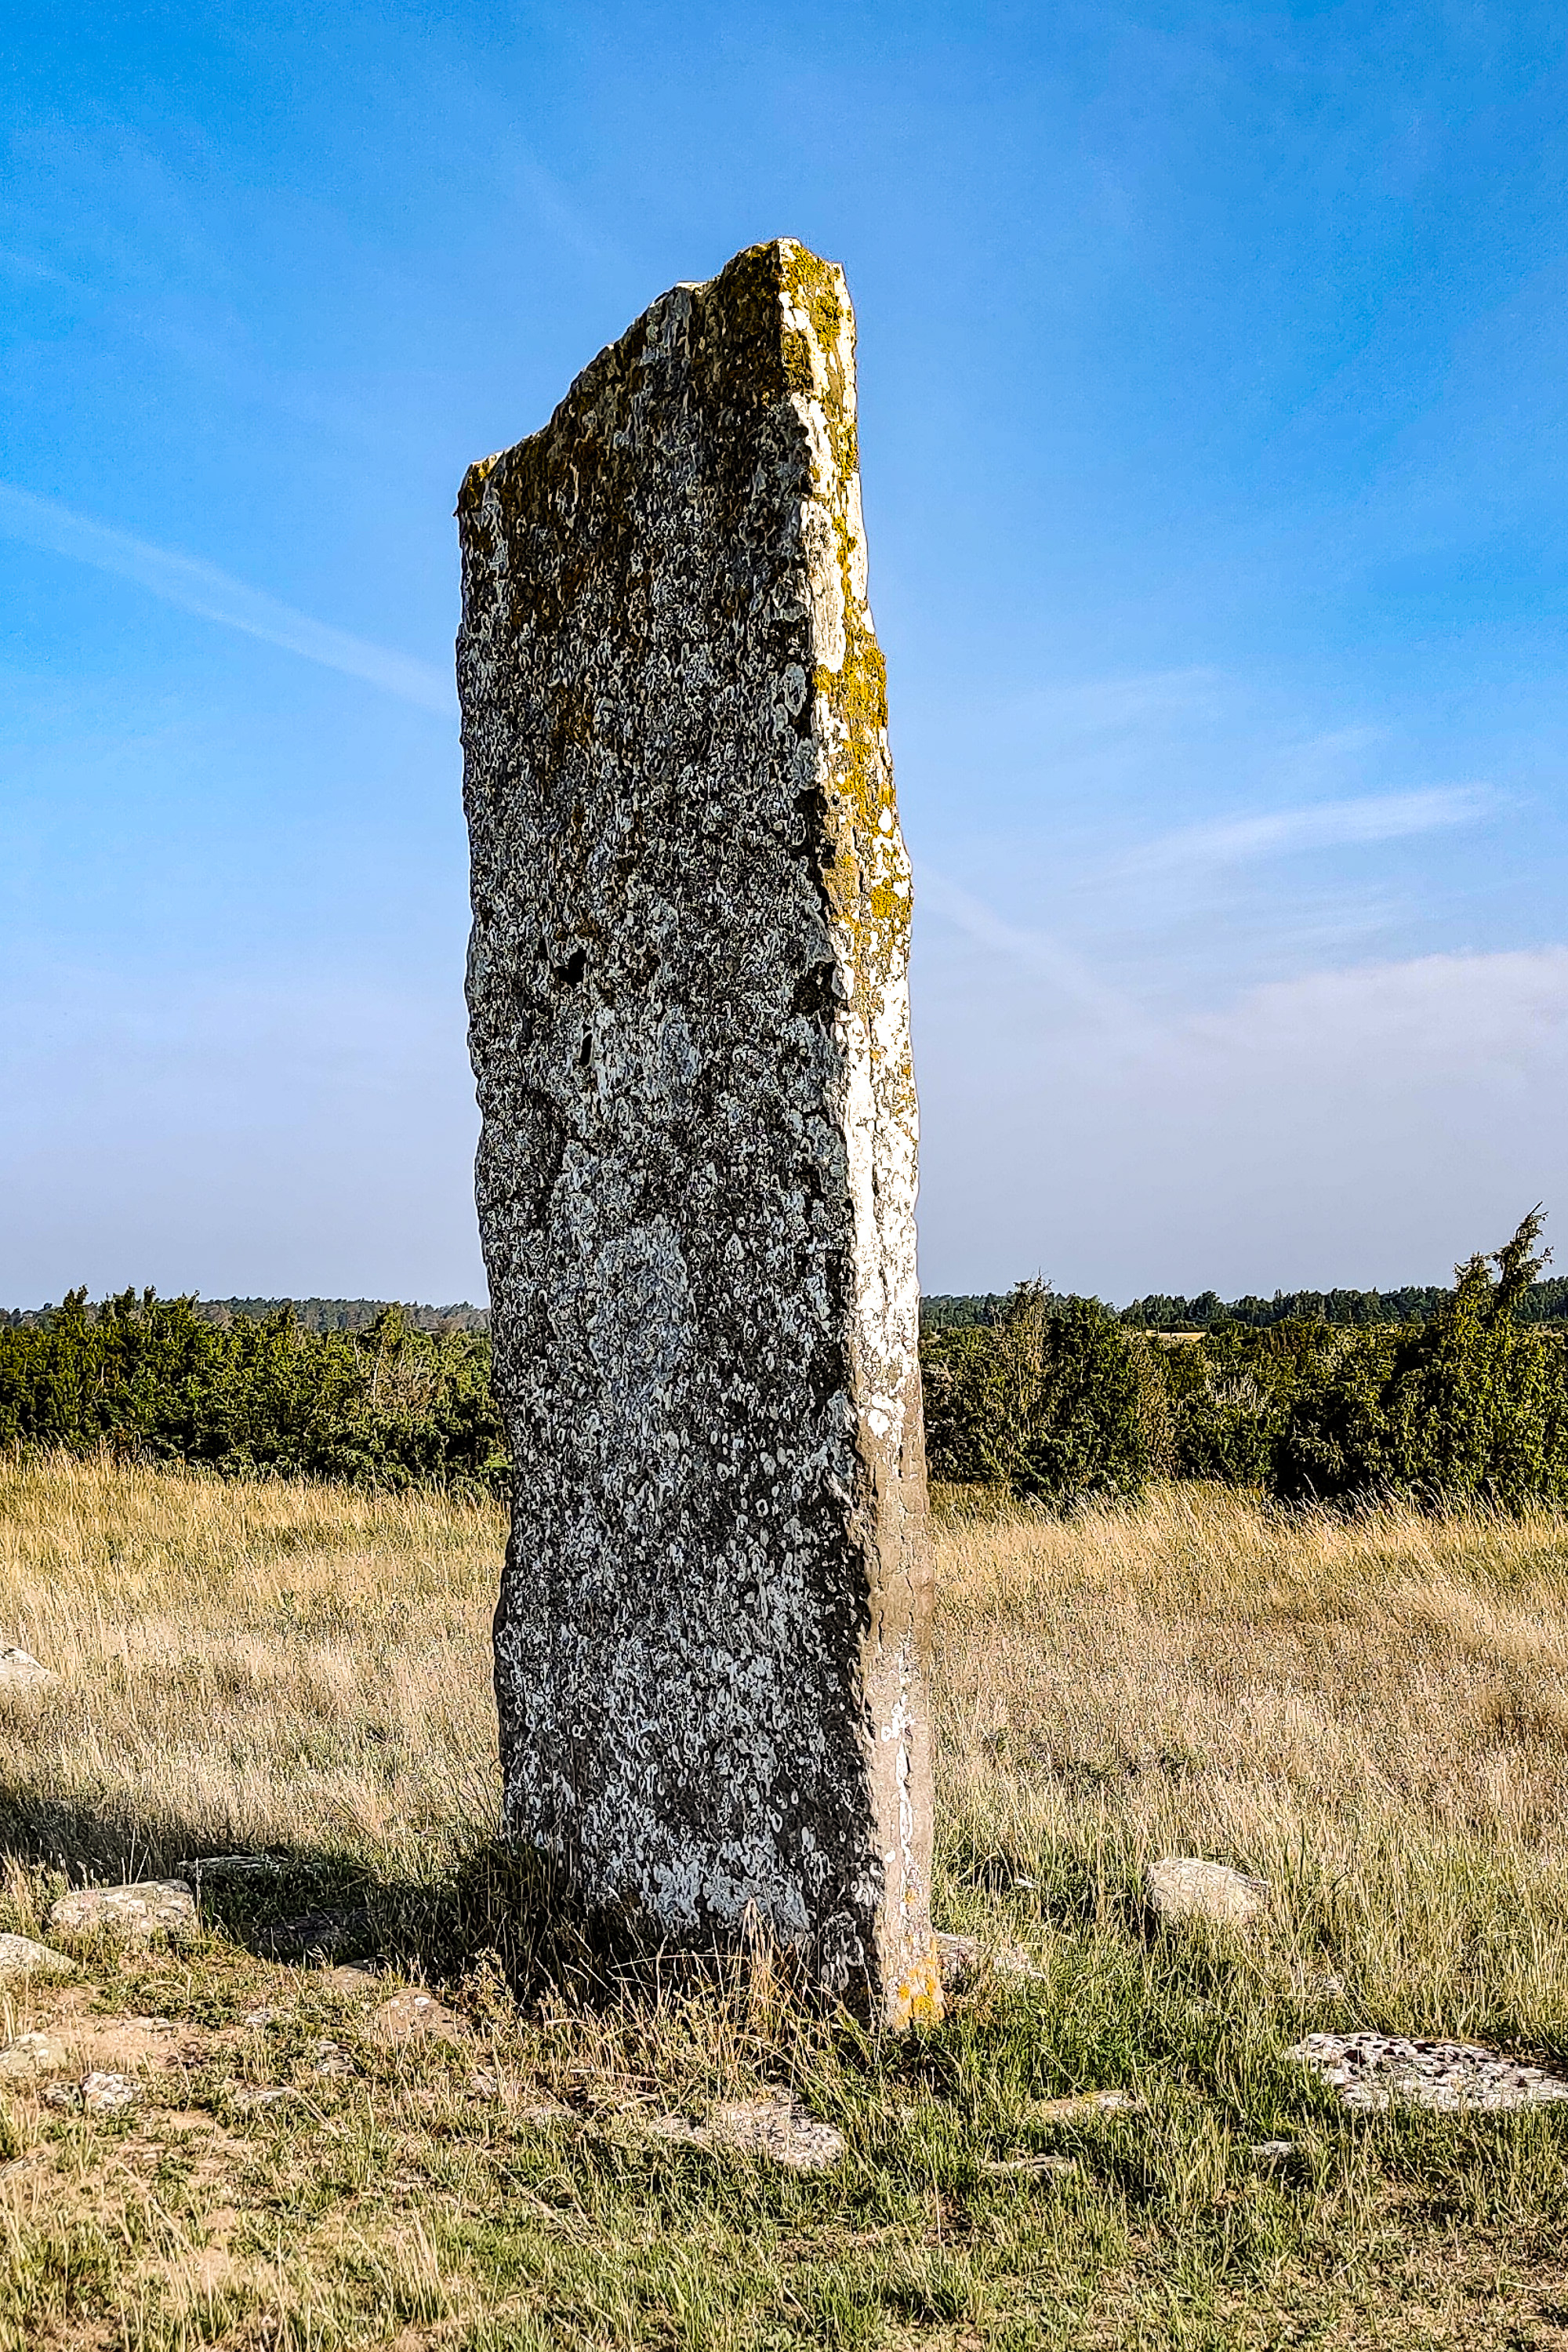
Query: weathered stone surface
1040, 2165
317, 1934
963, 1960
412, 2016
1375, 2071
1180, 1890
20, 1956
696, 1171
154, 1906
1079, 2103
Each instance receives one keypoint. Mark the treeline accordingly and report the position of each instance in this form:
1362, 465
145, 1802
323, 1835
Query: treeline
1542, 1302
309, 1314
1048, 1400
158, 1380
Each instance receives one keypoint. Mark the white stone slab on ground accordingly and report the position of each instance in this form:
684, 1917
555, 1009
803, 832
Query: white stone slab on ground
20, 1671
152, 1907
775, 2126
1377, 2071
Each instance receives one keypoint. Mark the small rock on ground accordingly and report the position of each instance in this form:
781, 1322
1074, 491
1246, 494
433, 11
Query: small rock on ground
155, 1907
412, 2016
353, 1983
20, 1956
960, 1959
1180, 1889
32, 2056
103, 2094
224, 1869
95, 2094
1371, 2071
1038, 2163
18, 1671
325, 1932
957, 1957
774, 2127
1316, 1984
1085, 2103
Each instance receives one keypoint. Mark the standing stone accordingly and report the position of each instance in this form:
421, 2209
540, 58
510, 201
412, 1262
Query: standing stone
689, 1026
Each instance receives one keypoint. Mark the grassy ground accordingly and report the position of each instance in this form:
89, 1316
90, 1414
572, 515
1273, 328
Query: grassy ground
1374, 1717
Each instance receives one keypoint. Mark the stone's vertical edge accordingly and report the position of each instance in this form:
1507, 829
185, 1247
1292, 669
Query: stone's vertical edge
867, 881
690, 1028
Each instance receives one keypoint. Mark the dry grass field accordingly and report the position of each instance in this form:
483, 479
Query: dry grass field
1372, 1716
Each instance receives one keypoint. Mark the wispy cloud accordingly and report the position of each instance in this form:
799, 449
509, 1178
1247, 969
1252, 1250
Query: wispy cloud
1048, 958
201, 588
1489, 1014
1323, 824
1137, 700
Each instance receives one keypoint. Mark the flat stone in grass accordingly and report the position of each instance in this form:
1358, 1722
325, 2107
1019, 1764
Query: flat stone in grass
20, 1956
317, 1935
413, 2016
1039, 2165
775, 2126
97, 2094
154, 1907
1182, 1892
1377, 2071
963, 1960
227, 1869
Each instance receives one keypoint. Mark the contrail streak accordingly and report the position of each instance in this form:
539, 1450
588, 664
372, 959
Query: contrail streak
201, 588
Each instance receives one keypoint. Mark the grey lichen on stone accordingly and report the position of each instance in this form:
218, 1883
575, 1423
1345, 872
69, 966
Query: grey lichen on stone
690, 1028
1377, 2071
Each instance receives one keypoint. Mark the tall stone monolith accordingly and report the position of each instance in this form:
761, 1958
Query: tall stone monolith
690, 1025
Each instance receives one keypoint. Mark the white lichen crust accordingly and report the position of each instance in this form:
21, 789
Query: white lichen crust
689, 1026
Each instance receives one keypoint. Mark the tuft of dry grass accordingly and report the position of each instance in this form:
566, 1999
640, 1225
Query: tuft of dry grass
1373, 1715
244, 1663
1370, 1713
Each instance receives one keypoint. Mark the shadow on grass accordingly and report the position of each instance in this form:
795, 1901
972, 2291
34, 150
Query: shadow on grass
314, 1899
493, 1906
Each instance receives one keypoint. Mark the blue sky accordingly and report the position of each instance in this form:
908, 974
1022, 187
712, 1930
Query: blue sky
1213, 370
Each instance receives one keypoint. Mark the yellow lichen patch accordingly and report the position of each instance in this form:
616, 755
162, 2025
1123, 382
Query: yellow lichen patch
866, 875
815, 290
917, 1997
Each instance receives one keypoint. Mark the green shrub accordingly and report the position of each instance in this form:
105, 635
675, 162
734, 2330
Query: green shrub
1053, 1401
1469, 1405
151, 1378
1056, 1402
1465, 1404
1228, 1406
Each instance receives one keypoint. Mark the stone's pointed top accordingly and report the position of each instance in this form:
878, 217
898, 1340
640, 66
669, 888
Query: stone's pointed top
777, 318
